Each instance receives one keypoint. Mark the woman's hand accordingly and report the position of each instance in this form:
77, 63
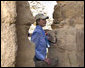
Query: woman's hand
47, 60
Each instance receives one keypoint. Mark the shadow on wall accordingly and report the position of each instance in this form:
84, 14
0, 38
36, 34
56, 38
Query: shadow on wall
26, 48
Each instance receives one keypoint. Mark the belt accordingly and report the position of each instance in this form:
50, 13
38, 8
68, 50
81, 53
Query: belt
35, 58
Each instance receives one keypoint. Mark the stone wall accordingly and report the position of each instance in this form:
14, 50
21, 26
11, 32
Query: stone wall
26, 49
16, 49
69, 24
8, 33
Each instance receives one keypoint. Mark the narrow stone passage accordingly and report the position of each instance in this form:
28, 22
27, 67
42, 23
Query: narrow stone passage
66, 30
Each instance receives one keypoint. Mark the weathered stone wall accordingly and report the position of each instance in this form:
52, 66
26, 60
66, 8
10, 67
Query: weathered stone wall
69, 24
8, 33
16, 49
26, 49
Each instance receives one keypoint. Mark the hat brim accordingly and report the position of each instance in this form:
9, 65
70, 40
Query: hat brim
45, 17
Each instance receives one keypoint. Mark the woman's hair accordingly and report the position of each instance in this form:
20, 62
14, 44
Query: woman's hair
37, 21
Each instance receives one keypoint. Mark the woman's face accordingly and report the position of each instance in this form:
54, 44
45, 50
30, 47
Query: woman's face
42, 22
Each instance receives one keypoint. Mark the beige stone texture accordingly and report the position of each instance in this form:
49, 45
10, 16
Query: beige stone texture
16, 49
69, 25
8, 33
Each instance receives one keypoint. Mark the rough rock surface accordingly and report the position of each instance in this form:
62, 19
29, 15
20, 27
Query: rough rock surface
26, 49
69, 24
67, 10
16, 49
8, 33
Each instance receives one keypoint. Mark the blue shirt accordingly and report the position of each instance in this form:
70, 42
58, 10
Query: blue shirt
41, 41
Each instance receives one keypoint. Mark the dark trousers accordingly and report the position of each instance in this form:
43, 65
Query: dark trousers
40, 63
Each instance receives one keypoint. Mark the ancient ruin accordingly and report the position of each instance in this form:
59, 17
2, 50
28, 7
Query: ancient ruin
68, 29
